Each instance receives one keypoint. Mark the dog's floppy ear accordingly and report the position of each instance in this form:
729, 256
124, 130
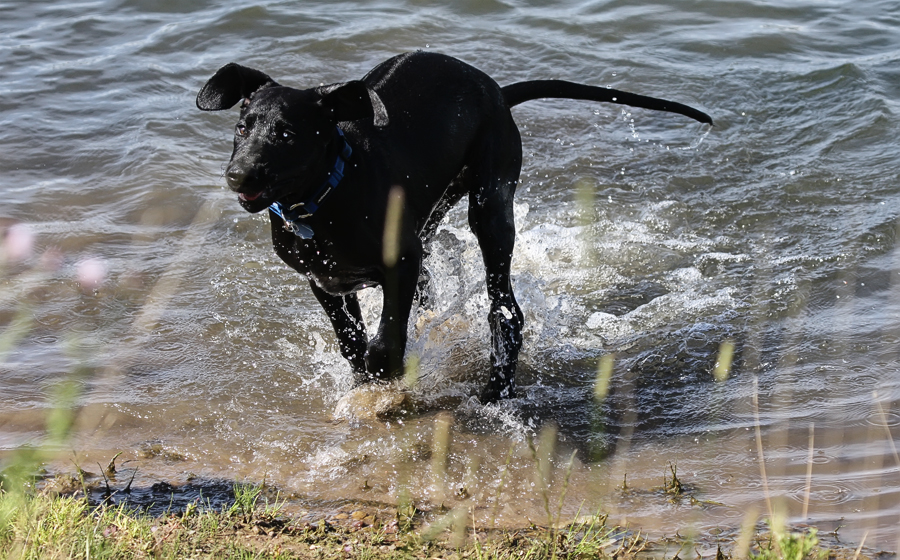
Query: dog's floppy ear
352, 101
229, 85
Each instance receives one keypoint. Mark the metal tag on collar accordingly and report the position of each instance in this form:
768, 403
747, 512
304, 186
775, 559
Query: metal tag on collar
302, 231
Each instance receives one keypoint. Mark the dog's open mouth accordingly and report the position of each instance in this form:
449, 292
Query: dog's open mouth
249, 196
254, 202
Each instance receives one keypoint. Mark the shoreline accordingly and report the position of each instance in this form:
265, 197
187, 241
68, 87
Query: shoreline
247, 520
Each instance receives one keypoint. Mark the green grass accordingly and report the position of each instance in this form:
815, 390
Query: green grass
36, 525
790, 546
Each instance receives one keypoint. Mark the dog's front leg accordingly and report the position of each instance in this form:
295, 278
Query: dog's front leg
346, 318
384, 358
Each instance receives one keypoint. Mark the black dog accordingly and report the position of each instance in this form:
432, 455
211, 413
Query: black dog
325, 162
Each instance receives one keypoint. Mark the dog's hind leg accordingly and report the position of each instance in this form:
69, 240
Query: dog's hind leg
494, 181
346, 318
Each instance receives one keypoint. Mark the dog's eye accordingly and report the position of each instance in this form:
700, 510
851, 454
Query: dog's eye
286, 134
240, 130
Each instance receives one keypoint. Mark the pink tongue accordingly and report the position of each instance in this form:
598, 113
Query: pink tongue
248, 197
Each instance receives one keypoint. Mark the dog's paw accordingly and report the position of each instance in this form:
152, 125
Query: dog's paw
382, 364
495, 392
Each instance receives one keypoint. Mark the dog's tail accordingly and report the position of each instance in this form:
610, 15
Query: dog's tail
559, 89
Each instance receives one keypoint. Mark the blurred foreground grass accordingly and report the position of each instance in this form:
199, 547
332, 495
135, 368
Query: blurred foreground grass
37, 525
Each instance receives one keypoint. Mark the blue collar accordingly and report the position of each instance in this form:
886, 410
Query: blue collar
295, 215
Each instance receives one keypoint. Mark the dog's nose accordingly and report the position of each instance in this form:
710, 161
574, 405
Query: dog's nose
235, 178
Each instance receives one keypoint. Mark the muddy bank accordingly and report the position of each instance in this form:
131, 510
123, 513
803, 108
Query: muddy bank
270, 521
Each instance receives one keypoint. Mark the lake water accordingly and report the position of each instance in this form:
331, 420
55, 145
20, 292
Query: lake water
134, 282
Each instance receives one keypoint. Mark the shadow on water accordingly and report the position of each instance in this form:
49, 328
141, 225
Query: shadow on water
161, 498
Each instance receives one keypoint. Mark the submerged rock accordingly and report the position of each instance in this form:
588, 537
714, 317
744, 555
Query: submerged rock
374, 401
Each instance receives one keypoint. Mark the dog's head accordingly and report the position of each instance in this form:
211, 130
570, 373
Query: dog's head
283, 134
